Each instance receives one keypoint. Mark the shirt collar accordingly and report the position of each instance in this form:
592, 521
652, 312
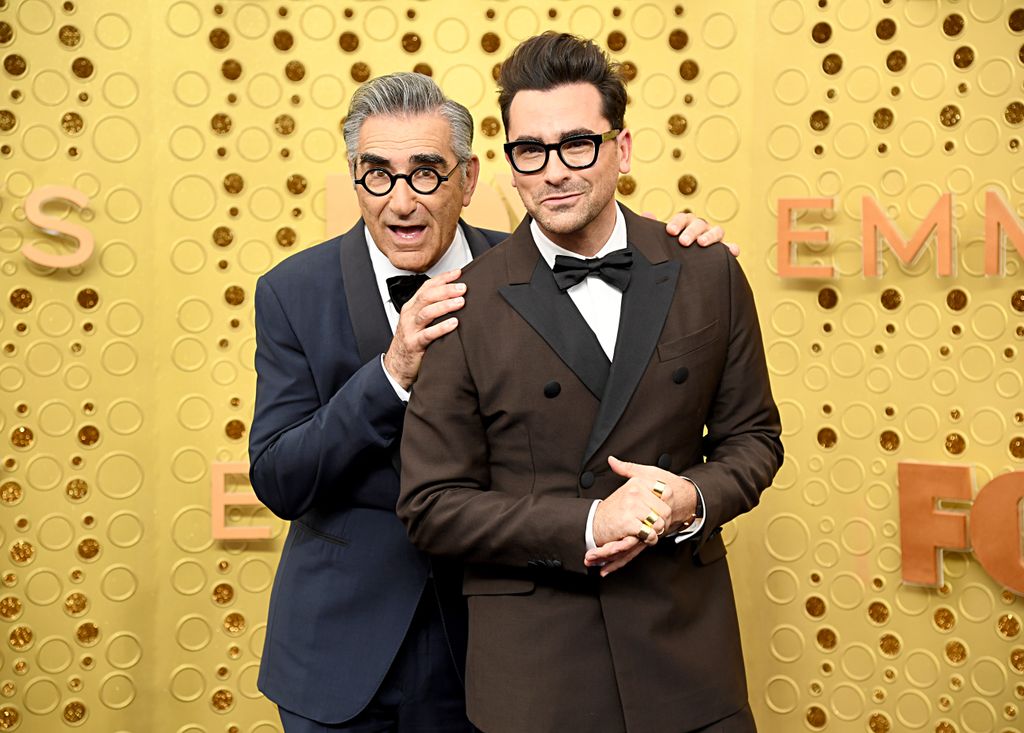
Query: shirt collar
549, 250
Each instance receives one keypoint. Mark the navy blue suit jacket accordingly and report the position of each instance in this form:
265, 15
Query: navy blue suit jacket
323, 450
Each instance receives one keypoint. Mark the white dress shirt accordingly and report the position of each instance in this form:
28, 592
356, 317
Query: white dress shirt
600, 305
457, 256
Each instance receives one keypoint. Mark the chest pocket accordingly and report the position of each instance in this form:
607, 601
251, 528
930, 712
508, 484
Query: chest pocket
689, 343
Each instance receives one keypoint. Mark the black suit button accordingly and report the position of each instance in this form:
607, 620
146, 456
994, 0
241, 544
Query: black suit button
555, 564
587, 479
552, 389
664, 461
533, 563
679, 375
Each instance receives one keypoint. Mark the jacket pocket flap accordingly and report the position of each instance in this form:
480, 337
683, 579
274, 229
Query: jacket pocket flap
690, 342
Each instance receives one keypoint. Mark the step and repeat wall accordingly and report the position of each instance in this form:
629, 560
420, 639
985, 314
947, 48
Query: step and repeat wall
831, 138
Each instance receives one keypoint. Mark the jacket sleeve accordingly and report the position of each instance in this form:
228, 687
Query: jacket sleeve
742, 447
300, 447
448, 503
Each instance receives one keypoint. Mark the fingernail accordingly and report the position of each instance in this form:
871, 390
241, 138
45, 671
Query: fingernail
460, 287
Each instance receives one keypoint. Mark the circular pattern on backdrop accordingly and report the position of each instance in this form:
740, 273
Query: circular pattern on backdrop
113, 31
119, 475
55, 532
54, 655
184, 19
327, 91
190, 529
317, 23
50, 88
191, 89
116, 139
320, 145
40, 142
35, 16
251, 21
125, 529
255, 575
450, 35
648, 21
658, 91
586, 21
717, 138
254, 144
124, 650
264, 90
41, 696
117, 259
118, 583
648, 145
266, 204
193, 197
188, 465
187, 683
466, 82
787, 16
43, 587
188, 577
188, 257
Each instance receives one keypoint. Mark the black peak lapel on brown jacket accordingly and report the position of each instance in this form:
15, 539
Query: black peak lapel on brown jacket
534, 295
645, 305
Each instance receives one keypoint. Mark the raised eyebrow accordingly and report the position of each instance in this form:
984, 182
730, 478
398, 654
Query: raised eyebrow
575, 133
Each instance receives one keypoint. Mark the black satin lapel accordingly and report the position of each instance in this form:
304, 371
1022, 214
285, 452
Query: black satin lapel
552, 314
366, 311
477, 242
645, 306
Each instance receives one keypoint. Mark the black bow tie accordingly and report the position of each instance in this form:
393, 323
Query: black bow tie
403, 287
612, 268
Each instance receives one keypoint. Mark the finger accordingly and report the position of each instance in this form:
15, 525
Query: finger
434, 292
427, 335
622, 468
711, 236
733, 248
609, 550
677, 224
621, 561
430, 313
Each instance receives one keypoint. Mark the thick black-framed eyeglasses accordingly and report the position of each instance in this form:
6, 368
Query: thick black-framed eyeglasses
576, 152
423, 180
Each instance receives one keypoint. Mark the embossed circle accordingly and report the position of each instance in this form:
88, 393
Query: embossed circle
119, 475
44, 473
125, 529
917, 138
266, 204
863, 84
113, 31
264, 90
119, 358
717, 138
786, 643
913, 709
193, 197
251, 21
190, 529
188, 577
451, 35
317, 22
255, 257
188, 354
254, 144
41, 696
846, 589
188, 465
117, 259
184, 19
43, 587
39, 142
187, 683
118, 583
928, 80
117, 691
56, 418
857, 661
195, 412
791, 86
191, 89
188, 257
54, 655
781, 694
786, 537
55, 532
116, 139
320, 145
976, 602
35, 16
467, 80
847, 702
124, 650
787, 16
194, 315
922, 668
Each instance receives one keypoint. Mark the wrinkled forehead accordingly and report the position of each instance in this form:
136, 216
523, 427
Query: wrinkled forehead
398, 140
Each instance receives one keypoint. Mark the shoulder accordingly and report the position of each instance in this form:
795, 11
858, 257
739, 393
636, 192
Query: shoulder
310, 265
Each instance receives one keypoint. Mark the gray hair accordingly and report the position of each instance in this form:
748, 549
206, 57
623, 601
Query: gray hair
403, 94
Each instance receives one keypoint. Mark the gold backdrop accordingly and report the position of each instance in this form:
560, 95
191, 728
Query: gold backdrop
206, 135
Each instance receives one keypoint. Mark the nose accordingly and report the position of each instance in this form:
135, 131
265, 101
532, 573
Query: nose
555, 171
402, 201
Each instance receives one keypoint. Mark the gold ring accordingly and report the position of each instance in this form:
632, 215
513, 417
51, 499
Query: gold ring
651, 518
643, 533
658, 488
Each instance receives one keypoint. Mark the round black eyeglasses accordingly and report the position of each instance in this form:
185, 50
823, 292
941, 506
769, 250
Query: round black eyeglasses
576, 152
422, 180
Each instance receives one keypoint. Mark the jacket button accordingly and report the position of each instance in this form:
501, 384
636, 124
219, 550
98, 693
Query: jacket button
552, 389
533, 563
664, 461
679, 375
587, 479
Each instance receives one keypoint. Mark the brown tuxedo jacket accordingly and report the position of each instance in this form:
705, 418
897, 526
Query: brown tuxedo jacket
505, 448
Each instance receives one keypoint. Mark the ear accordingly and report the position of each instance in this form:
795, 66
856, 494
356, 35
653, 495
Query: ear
625, 146
472, 176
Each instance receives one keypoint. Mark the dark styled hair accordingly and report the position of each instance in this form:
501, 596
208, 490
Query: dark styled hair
554, 59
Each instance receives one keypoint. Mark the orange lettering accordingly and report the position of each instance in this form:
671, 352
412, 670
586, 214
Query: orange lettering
999, 219
51, 225
221, 499
996, 530
875, 222
924, 530
787, 238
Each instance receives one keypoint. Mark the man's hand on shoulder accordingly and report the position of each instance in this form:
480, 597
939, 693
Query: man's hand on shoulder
690, 228
437, 297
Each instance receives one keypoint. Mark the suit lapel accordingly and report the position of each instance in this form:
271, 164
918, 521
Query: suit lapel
533, 294
645, 306
366, 311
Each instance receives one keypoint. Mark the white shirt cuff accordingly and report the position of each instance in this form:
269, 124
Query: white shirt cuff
402, 392
589, 535
698, 523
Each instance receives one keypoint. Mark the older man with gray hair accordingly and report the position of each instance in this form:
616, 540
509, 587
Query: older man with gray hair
365, 632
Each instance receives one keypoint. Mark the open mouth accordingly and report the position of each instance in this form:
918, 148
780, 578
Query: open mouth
407, 232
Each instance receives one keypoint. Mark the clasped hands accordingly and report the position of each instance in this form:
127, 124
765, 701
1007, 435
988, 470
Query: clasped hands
650, 503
